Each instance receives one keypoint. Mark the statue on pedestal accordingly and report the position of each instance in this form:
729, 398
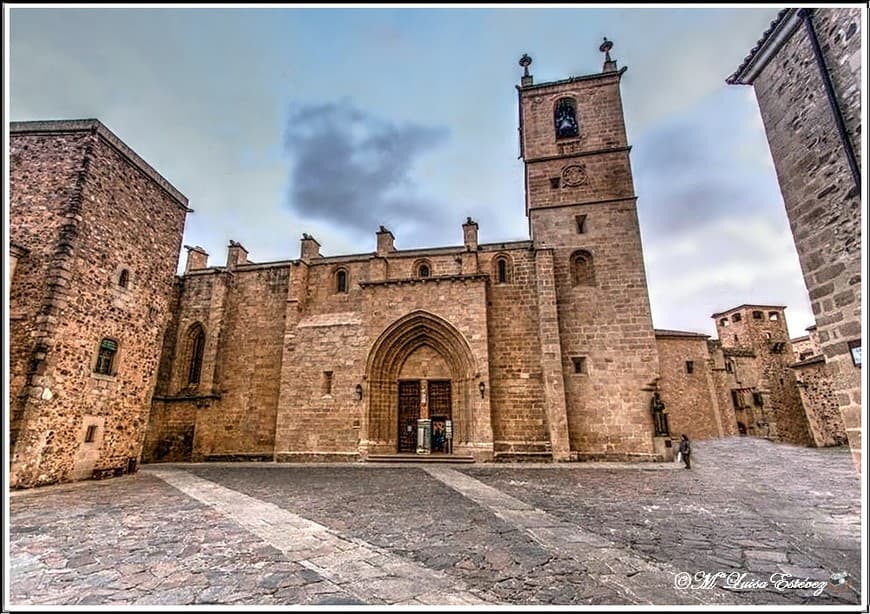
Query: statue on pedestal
660, 419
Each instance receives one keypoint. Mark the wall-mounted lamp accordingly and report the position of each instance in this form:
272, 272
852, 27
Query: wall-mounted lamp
482, 388
358, 392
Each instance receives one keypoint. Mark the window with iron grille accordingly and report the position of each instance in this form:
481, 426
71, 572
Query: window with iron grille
106, 357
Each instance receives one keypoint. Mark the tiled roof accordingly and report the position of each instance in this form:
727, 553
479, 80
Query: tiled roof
735, 76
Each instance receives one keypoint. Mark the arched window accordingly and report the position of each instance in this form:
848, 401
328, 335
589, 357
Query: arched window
502, 269
124, 278
196, 343
106, 357
565, 118
341, 281
423, 269
582, 269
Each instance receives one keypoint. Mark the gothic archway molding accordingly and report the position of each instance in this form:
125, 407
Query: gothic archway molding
386, 358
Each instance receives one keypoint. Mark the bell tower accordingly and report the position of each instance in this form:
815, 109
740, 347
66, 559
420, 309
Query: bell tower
581, 206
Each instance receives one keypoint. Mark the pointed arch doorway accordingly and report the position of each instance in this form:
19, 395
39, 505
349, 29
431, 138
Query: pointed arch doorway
419, 367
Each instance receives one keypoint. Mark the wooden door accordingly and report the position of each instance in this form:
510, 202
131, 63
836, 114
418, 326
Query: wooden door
409, 413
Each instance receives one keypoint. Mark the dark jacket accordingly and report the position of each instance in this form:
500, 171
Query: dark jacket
685, 448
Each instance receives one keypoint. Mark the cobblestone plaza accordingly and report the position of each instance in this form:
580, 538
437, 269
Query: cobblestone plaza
779, 525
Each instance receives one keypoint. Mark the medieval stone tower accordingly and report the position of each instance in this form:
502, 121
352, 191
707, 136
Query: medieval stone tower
598, 344
96, 233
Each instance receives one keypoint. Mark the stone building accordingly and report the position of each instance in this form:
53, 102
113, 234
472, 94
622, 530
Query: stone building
536, 349
95, 235
687, 387
542, 348
806, 71
756, 352
749, 381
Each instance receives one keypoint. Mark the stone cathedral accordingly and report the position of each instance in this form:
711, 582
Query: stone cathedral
535, 349
541, 348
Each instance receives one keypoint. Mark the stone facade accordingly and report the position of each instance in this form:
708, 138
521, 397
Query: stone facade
748, 382
761, 330
95, 234
687, 387
534, 349
806, 71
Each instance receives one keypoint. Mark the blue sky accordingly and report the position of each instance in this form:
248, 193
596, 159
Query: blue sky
277, 121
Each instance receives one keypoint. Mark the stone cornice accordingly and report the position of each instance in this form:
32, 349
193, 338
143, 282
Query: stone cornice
425, 280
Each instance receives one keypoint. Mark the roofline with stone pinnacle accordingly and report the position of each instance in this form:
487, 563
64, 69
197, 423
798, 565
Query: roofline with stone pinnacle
71, 126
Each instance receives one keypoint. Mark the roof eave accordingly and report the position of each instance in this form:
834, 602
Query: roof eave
771, 41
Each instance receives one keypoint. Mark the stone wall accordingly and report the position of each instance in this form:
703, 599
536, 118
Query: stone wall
234, 403
120, 217
820, 402
519, 416
821, 197
736, 375
691, 402
43, 178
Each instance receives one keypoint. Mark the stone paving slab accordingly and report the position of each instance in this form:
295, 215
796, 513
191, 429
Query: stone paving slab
136, 540
351, 534
604, 561
748, 505
344, 563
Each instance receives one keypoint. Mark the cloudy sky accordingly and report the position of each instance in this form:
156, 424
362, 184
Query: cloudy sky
277, 121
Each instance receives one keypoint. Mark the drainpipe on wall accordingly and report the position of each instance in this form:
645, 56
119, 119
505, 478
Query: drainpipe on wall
806, 15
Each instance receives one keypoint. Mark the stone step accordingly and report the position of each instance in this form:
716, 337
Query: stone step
521, 457
418, 458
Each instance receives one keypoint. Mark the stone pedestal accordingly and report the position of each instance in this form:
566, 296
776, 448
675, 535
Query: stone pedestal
664, 446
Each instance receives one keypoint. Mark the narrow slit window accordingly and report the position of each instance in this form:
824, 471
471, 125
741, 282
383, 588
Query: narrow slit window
124, 278
341, 281
197, 346
91, 434
581, 224
327, 382
502, 270
690, 366
579, 363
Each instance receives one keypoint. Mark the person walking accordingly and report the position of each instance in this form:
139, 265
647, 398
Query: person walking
686, 451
